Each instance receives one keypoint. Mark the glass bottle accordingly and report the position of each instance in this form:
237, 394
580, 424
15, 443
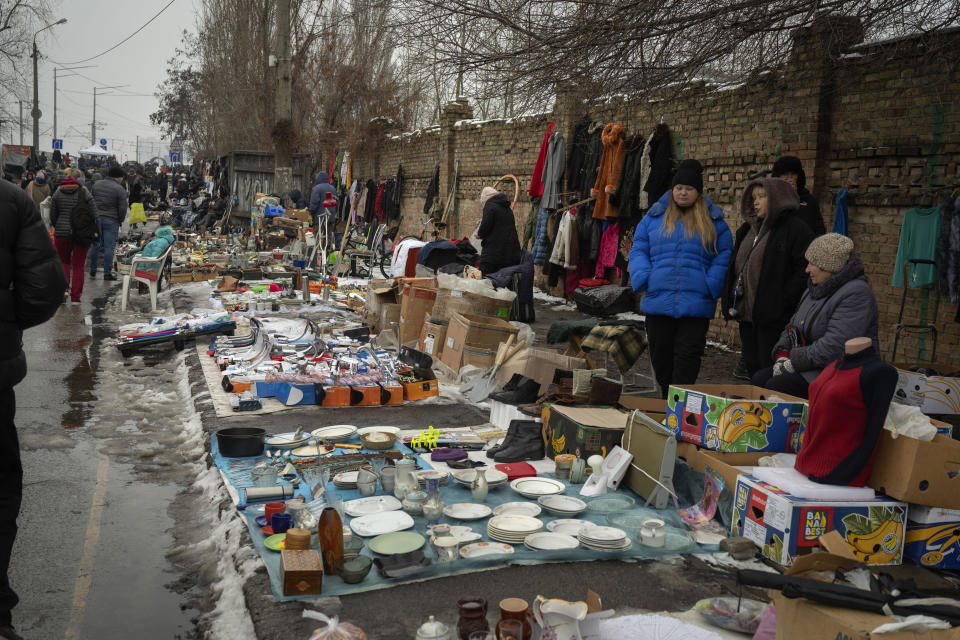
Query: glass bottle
432, 506
479, 487
406, 481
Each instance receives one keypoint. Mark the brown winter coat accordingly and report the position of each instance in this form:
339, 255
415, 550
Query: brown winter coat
611, 166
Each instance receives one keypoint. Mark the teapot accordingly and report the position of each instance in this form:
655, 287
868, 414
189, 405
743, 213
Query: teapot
433, 630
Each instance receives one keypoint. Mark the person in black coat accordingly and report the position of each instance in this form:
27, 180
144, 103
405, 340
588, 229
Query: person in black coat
500, 244
766, 276
32, 283
789, 169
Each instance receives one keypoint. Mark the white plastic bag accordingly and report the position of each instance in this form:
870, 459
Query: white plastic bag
909, 421
334, 629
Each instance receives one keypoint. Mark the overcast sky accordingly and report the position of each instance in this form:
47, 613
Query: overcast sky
93, 26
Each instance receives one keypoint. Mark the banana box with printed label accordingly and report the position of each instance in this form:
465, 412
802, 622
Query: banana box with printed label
785, 526
933, 537
736, 418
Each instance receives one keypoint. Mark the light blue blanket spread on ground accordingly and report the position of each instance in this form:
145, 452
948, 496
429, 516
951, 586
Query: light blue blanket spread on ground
236, 470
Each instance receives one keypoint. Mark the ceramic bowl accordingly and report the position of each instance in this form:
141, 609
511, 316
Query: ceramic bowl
356, 569
352, 547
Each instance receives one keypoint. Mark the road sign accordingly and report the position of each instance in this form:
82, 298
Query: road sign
174, 156
177, 144
103, 143
58, 143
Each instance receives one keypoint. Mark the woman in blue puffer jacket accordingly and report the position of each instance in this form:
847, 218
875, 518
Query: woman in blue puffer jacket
679, 260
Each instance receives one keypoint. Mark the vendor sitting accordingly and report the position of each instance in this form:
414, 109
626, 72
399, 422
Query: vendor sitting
499, 242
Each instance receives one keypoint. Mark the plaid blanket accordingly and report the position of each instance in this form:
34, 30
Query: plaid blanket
625, 342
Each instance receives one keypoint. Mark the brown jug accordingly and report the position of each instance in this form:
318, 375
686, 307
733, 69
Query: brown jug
515, 609
330, 535
473, 616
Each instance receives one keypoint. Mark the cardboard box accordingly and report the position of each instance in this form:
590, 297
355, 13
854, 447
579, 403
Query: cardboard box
538, 364
933, 537
919, 472
451, 301
432, 336
582, 430
476, 331
800, 618
726, 465
736, 417
655, 408
785, 526
933, 394
379, 293
388, 313
478, 357
416, 303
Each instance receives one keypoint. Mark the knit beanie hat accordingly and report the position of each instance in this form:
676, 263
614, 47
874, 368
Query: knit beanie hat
115, 172
690, 173
486, 194
96, 177
790, 164
830, 252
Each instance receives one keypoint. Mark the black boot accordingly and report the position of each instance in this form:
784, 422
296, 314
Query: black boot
526, 445
507, 439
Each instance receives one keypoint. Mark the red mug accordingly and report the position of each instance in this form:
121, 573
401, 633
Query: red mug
273, 507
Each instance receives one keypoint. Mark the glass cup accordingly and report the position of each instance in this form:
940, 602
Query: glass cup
510, 630
388, 477
367, 488
263, 476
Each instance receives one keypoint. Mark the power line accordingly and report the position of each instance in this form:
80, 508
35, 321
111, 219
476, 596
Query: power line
144, 26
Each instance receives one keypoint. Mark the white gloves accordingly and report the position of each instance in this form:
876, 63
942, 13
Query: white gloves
783, 366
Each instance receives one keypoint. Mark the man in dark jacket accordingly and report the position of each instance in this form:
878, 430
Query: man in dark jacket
321, 187
111, 199
766, 276
500, 244
31, 288
789, 169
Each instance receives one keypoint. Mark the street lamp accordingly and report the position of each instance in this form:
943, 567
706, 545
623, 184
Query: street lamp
36, 91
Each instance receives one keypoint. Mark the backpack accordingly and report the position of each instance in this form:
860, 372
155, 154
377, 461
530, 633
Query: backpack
83, 222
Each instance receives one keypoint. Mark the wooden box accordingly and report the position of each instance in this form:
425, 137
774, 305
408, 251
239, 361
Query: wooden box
301, 572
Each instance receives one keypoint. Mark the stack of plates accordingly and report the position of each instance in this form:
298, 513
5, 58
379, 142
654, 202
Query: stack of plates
604, 538
512, 528
535, 487
518, 509
549, 541
568, 526
494, 477
335, 432
346, 480
562, 505
287, 440
431, 473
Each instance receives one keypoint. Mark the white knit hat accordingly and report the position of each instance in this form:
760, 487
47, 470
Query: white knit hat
486, 194
830, 252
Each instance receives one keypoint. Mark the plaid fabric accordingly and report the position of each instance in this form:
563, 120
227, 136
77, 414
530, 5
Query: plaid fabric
625, 342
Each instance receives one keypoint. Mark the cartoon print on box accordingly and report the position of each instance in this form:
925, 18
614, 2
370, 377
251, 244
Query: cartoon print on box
941, 540
740, 427
875, 539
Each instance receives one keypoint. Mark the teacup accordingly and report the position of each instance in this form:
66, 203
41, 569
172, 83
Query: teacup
447, 549
388, 478
367, 488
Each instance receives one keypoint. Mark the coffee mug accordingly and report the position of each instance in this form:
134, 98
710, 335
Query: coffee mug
280, 522
388, 478
273, 507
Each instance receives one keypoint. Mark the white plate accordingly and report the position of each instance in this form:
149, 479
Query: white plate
548, 541
627, 545
514, 524
365, 430
518, 508
602, 534
568, 526
371, 504
377, 524
479, 549
493, 476
347, 477
466, 511
286, 441
311, 451
335, 432
563, 505
536, 487
464, 534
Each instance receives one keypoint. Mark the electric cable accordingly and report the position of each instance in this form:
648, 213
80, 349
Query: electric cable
144, 26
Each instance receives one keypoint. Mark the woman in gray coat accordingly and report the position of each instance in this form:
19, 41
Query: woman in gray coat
838, 305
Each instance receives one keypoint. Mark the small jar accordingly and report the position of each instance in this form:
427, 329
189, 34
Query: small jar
413, 502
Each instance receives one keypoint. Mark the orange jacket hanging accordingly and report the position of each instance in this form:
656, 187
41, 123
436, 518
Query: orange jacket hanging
611, 166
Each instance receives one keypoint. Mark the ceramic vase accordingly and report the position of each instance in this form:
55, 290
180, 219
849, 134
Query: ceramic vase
330, 535
473, 617
479, 487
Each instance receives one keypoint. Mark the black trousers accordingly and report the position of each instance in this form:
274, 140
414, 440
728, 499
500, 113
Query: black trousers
676, 347
757, 342
11, 491
793, 384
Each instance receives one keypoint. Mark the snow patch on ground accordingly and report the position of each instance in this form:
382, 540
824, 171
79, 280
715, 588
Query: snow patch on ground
630, 315
720, 346
726, 561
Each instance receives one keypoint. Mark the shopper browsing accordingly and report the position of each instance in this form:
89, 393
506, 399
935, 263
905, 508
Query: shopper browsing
679, 258
111, 201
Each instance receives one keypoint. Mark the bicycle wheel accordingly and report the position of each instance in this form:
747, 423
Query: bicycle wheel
385, 263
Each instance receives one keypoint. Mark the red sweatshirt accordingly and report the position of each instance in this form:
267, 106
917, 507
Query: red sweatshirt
848, 405
536, 182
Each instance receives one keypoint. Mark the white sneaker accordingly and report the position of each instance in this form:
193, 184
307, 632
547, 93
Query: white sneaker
74, 303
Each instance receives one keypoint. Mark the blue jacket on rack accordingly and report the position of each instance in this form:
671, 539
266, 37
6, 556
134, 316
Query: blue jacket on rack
681, 278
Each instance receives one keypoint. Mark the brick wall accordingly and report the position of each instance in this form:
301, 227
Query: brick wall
879, 120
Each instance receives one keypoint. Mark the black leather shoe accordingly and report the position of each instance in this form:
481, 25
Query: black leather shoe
507, 439
109, 277
527, 445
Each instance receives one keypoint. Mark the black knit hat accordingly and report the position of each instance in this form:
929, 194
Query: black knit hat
790, 164
690, 173
115, 172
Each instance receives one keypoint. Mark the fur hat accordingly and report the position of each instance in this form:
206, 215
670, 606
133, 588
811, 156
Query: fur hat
790, 164
690, 173
486, 194
116, 172
830, 252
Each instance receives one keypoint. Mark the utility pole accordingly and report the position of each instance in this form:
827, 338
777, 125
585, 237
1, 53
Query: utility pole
93, 123
21, 123
283, 134
138, 149
54, 103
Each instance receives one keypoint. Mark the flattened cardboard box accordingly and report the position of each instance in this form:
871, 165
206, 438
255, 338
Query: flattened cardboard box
785, 526
736, 417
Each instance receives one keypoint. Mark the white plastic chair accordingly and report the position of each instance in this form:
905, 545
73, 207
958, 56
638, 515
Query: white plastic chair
148, 271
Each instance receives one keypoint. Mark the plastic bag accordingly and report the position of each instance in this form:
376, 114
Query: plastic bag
137, 214
334, 629
909, 421
735, 614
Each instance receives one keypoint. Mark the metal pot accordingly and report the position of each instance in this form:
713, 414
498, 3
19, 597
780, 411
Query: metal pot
240, 442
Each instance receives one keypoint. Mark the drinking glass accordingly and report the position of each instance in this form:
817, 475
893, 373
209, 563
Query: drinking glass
510, 630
